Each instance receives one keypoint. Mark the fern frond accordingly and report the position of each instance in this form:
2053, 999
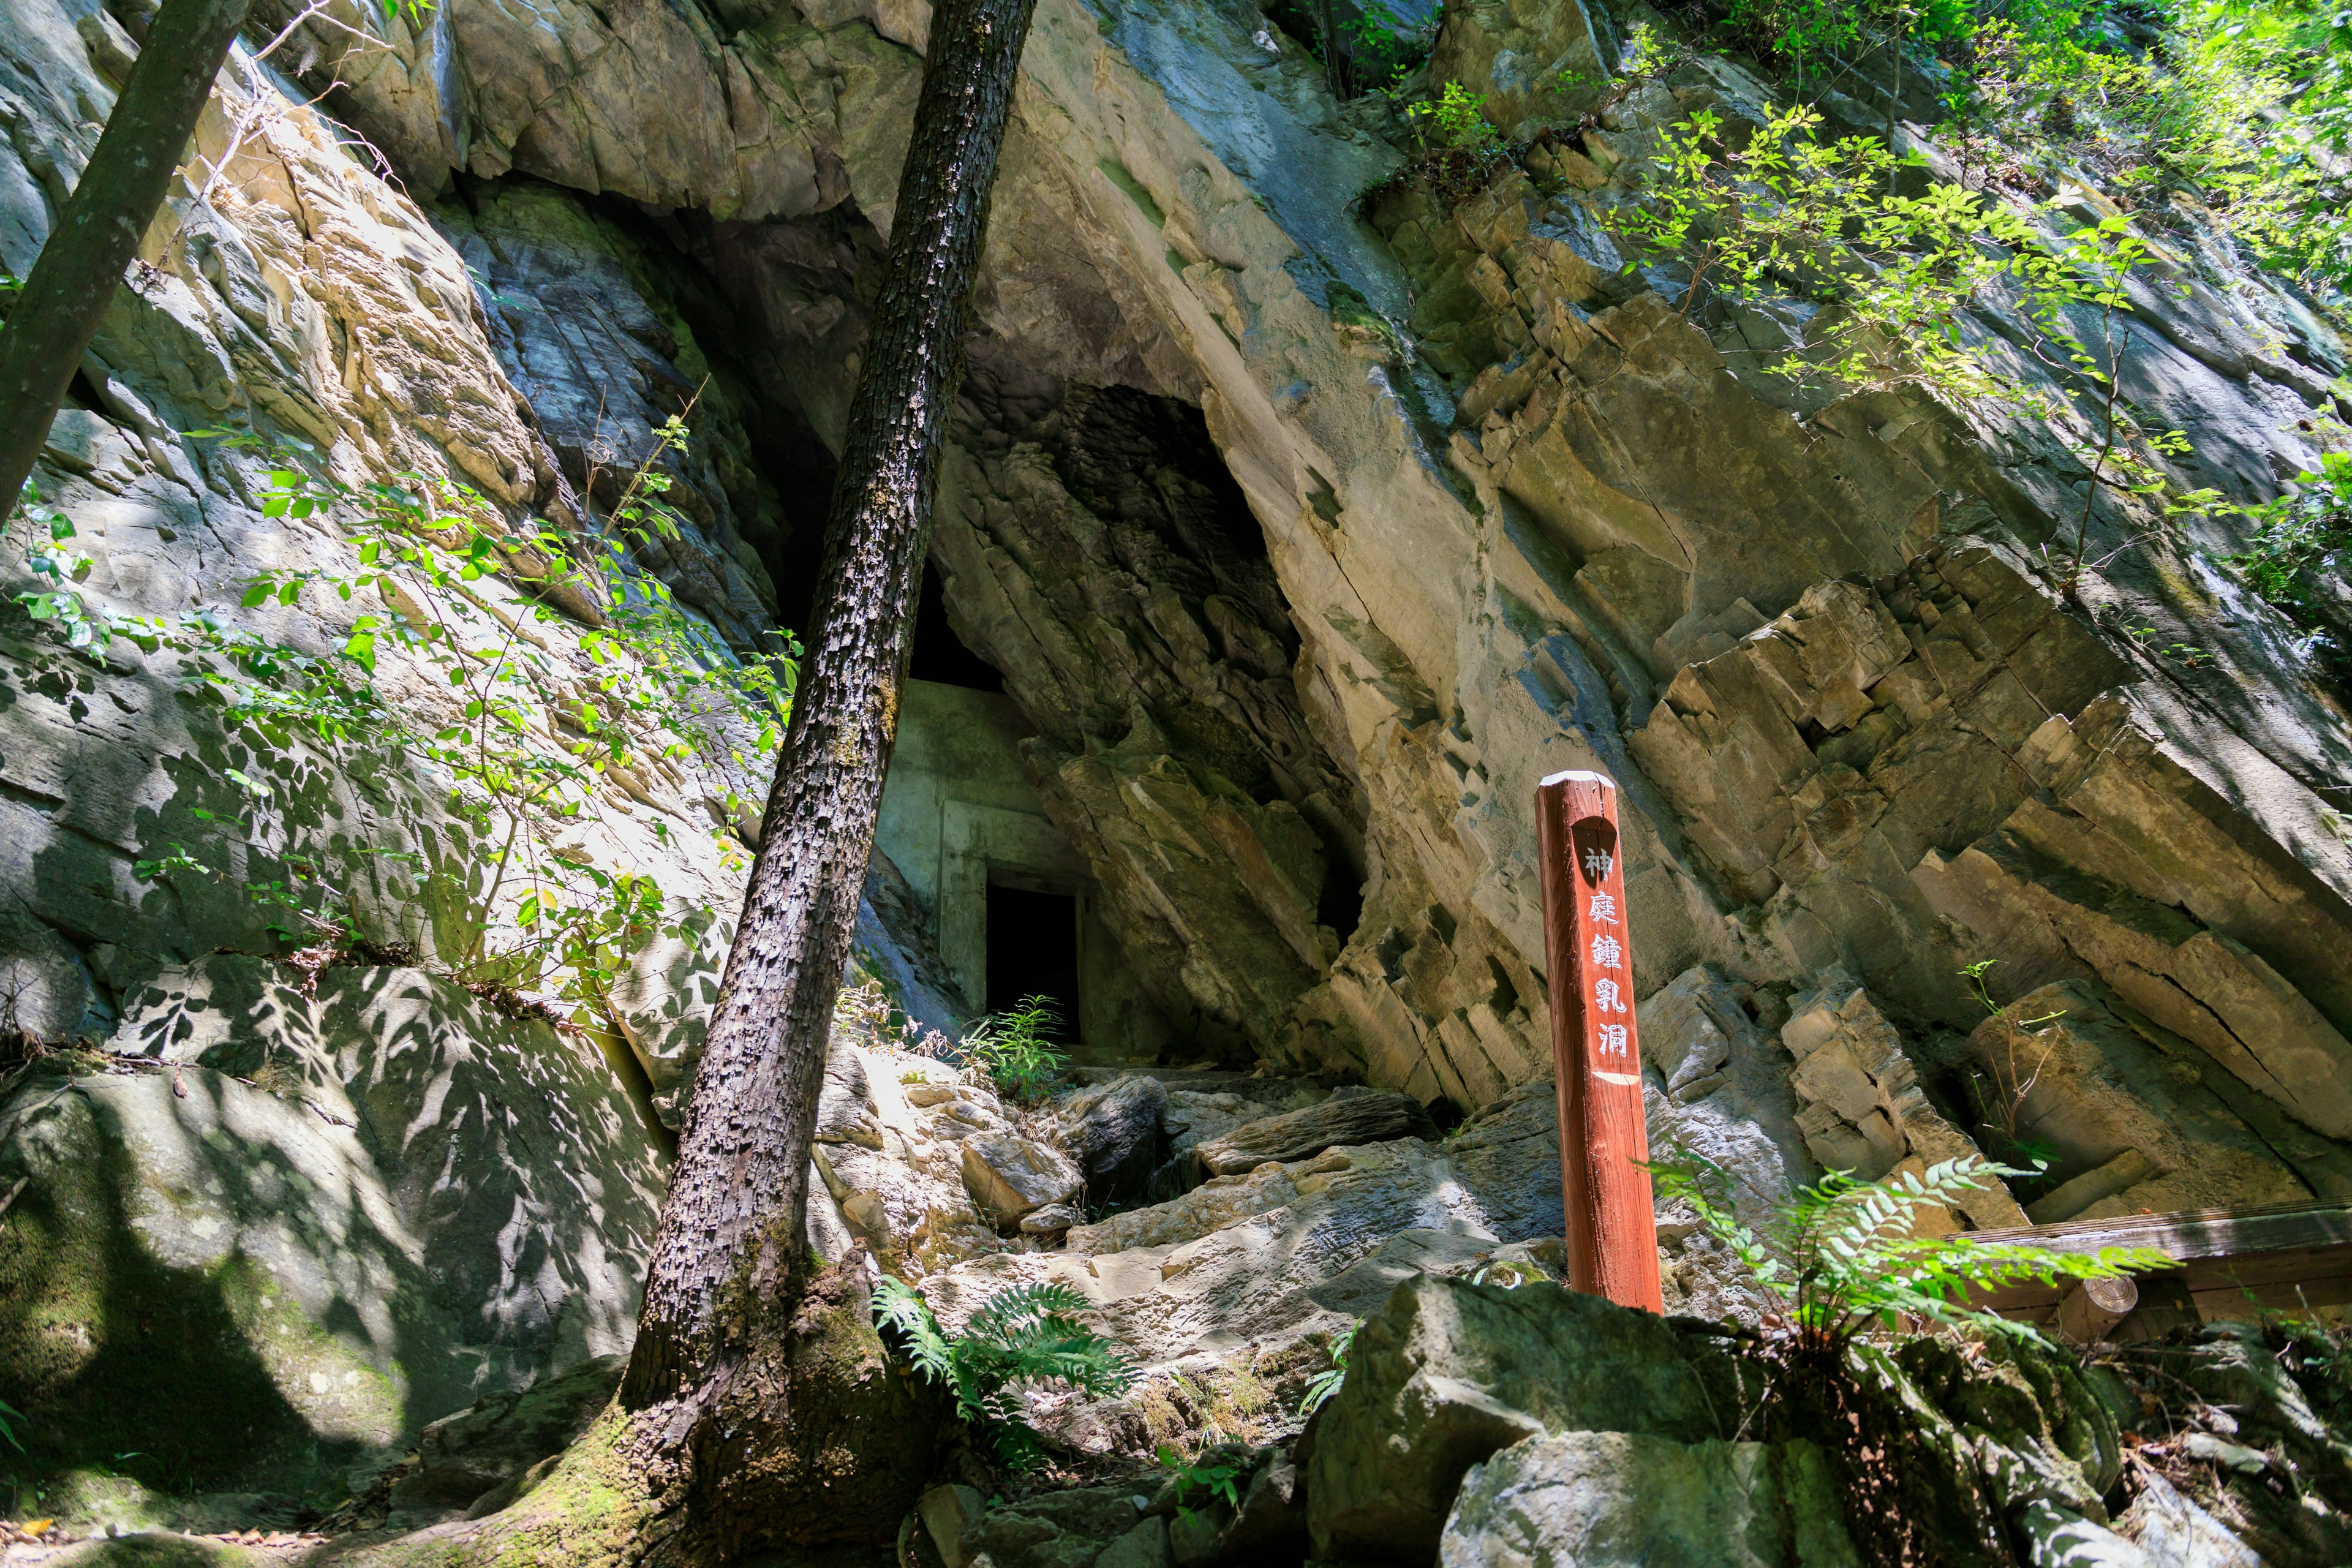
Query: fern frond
1004, 1312
897, 1305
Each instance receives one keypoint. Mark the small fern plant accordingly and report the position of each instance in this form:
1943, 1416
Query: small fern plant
1028, 1334
1328, 1382
1845, 1254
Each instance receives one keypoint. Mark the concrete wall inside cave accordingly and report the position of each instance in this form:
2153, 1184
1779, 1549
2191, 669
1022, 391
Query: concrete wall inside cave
959, 815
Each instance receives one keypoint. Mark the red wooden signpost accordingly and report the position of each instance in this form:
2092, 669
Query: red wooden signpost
1612, 1228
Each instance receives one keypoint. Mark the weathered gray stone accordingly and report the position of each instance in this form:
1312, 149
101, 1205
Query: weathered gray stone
1618, 1499
1447, 1373
1271, 1523
2174, 1532
1115, 1133
1008, 1176
377, 1198
1051, 1220
1344, 1119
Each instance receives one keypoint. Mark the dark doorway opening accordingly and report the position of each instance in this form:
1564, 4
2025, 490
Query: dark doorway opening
1033, 950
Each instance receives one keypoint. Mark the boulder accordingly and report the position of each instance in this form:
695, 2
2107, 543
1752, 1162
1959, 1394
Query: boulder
1010, 1176
1271, 1525
1051, 1220
1625, 1500
1145, 1546
1448, 1372
1065, 1529
1115, 1133
1342, 1119
360, 1201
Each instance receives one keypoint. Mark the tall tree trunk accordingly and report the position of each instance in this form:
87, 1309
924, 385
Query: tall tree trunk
729, 1252
81, 264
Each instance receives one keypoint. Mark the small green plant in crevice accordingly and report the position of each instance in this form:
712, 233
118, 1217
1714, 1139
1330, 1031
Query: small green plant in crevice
1015, 1047
1386, 42
1455, 120
2088, 270
2007, 1078
1327, 1382
1218, 1480
1025, 1335
2299, 558
1846, 1256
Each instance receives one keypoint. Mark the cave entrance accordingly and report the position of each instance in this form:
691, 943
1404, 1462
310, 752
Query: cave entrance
1033, 950
939, 653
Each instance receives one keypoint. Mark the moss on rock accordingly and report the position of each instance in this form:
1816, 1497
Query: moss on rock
180, 1377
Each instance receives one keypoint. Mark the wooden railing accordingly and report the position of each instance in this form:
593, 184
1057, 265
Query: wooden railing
2232, 1263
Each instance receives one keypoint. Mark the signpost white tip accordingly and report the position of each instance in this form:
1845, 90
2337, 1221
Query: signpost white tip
1577, 775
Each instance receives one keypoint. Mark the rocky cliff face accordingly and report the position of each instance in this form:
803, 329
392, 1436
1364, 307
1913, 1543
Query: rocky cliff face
1308, 541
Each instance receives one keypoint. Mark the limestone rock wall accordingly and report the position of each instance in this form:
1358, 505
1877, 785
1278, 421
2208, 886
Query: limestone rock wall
1514, 500
1509, 509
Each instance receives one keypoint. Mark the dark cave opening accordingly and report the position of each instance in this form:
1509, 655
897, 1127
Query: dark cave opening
939, 655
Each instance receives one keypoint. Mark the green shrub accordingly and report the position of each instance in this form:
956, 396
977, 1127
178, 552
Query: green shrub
1456, 119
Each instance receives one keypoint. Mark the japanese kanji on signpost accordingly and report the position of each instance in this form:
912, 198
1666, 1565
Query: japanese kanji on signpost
1612, 1232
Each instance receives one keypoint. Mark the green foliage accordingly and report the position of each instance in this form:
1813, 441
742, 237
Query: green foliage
1219, 1479
1790, 213
53, 556
2244, 106
1028, 1334
1456, 119
1385, 40
415, 10
1845, 1254
2302, 536
522, 740
2085, 275
1014, 1048
1327, 1383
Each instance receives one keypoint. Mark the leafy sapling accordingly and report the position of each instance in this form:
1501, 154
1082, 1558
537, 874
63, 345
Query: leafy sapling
1456, 119
1218, 1480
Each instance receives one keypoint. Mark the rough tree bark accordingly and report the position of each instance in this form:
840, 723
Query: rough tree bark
80, 265
728, 1257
